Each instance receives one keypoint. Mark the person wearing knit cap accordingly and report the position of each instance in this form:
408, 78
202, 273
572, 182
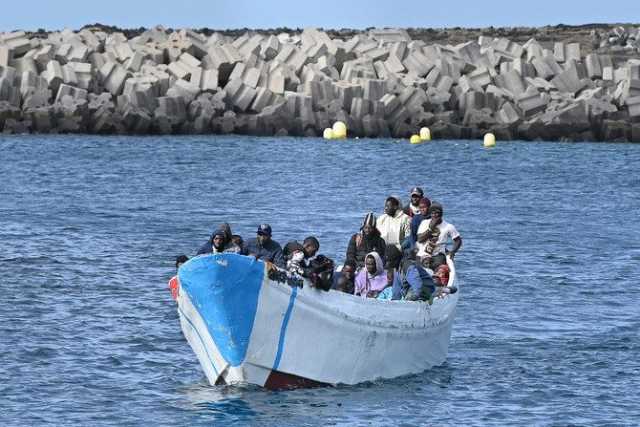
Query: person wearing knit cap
433, 236
394, 225
228, 244
367, 240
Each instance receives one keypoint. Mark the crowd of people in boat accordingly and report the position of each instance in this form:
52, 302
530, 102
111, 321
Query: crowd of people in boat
399, 255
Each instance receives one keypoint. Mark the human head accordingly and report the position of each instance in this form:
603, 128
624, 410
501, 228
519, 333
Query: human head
369, 224
391, 205
237, 239
416, 195
370, 264
436, 210
218, 239
311, 246
226, 228
441, 275
349, 270
424, 205
264, 233
181, 259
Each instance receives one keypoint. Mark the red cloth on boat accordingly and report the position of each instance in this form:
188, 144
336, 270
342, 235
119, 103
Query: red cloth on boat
173, 287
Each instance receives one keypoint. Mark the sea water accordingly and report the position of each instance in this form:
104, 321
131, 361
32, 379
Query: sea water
548, 324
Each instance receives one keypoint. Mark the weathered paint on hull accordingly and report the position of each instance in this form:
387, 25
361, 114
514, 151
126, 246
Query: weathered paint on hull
301, 337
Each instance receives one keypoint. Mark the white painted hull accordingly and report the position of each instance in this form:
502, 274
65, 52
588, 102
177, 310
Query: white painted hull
304, 336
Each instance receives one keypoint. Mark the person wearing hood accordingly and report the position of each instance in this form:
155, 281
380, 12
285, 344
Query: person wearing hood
367, 240
264, 247
228, 244
394, 226
372, 279
416, 195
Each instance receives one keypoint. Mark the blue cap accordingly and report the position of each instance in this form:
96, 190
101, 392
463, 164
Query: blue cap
264, 230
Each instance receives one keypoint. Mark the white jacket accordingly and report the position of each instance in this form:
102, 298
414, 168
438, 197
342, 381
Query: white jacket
394, 229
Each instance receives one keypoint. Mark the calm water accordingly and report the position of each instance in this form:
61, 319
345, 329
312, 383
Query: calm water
548, 328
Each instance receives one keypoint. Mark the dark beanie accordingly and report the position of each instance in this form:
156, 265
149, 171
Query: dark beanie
435, 206
313, 240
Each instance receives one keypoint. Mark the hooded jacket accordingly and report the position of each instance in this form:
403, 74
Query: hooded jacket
360, 245
394, 229
229, 246
366, 282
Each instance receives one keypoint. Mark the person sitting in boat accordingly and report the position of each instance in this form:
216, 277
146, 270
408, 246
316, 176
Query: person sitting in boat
311, 246
293, 254
227, 244
173, 282
372, 279
441, 280
367, 240
433, 235
394, 226
344, 280
415, 282
263, 247
413, 208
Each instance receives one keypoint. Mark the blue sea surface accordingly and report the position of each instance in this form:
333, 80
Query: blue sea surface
548, 325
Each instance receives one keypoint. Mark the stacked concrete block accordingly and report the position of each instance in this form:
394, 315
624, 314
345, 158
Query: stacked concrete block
73, 92
221, 58
531, 102
566, 52
546, 67
112, 77
16, 45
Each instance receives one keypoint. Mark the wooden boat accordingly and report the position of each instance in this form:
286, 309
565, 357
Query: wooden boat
248, 329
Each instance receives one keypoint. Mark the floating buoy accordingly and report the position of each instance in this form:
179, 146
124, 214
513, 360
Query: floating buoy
489, 140
328, 133
339, 130
415, 139
425, 134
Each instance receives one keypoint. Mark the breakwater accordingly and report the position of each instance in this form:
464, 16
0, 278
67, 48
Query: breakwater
552, 83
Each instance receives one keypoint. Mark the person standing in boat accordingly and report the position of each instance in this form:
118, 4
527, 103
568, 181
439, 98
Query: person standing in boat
433, 236
367, 240
394, 226
173, 282
228, 245
416, 196
417, 219
264, 247
372, 279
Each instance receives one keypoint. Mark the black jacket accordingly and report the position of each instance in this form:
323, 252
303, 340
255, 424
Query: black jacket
357, 253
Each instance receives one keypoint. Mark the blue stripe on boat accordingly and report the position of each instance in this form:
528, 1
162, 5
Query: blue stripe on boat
201, 340
283, 328
224, 288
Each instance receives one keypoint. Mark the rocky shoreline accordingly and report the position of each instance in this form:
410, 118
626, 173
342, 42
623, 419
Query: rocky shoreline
550, 83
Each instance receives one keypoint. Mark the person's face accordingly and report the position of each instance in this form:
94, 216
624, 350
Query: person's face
348, 272
436, 216
263, 238
424, 210
415, 199
218, 241
367, 230
310, 249
390, 208
370, 263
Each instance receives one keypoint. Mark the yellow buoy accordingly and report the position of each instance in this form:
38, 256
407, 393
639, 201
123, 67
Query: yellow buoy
339, 130
415, 139
328, 133
425, 134
489, 140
